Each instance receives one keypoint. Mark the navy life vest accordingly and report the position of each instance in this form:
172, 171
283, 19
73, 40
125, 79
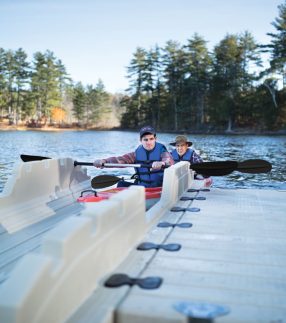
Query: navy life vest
186, 157
145, 176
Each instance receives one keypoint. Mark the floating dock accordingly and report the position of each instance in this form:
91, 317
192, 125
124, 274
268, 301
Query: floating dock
196, 256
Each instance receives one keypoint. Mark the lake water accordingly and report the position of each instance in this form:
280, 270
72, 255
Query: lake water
89, 145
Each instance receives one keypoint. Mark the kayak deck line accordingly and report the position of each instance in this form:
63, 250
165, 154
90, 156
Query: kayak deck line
231, 261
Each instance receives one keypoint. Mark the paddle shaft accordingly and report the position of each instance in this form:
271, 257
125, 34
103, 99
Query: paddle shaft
76, 163
220, 168
207, 169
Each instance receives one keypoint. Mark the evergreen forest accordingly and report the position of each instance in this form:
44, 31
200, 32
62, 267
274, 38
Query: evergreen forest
175, 87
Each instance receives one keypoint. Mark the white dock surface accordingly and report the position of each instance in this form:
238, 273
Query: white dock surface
234, 255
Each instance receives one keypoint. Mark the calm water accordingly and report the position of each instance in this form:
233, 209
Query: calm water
90, 145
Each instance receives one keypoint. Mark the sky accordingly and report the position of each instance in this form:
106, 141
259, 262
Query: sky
96, 39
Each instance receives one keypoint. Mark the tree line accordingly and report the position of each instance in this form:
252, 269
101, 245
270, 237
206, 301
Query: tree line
187, 87
179, 87
41, 92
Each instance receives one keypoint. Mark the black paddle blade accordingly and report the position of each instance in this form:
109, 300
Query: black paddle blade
103, 181
254, 166
219, 168
29, 158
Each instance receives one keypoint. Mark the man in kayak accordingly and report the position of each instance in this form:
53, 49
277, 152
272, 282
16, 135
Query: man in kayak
183, 152
151, 153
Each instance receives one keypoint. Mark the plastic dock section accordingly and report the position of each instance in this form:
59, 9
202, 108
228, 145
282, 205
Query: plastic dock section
195, 256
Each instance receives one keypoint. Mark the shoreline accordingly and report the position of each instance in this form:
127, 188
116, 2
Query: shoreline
239, 132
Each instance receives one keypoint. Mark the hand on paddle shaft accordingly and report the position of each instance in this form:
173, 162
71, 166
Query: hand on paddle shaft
219, 168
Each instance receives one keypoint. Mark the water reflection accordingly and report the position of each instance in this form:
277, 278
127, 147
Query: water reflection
89, 145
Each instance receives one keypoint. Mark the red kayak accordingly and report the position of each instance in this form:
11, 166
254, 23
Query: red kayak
150, 193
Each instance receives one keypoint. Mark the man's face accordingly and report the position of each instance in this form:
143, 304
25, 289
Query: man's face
148, 141
181, 148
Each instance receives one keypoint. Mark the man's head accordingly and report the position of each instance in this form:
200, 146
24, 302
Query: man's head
182, 144
148, 137
147, 130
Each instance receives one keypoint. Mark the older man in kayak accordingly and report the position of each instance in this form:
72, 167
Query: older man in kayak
151, 153
183, 152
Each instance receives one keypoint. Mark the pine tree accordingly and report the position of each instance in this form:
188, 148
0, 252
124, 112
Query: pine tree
3, 83
137, 76
46, 83
154, 85
79, 103
22, 75
174, 72
278, 44
9, 72
231, 76
198, 65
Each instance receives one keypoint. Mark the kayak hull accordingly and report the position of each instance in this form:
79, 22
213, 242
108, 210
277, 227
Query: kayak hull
153, 193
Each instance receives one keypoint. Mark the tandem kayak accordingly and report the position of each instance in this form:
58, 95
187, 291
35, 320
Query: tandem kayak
93, 196
152, 195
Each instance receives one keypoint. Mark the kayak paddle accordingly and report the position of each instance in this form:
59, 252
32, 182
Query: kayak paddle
208, 168
29, 158
219, 168
103, 181
254, 166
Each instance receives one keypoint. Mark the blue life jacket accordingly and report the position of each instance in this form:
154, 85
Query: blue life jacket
186, 157
145, 176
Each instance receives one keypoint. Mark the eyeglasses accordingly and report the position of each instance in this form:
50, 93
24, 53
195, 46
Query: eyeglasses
148, 139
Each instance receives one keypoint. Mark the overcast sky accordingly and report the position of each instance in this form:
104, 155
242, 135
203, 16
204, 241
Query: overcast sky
95, 39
